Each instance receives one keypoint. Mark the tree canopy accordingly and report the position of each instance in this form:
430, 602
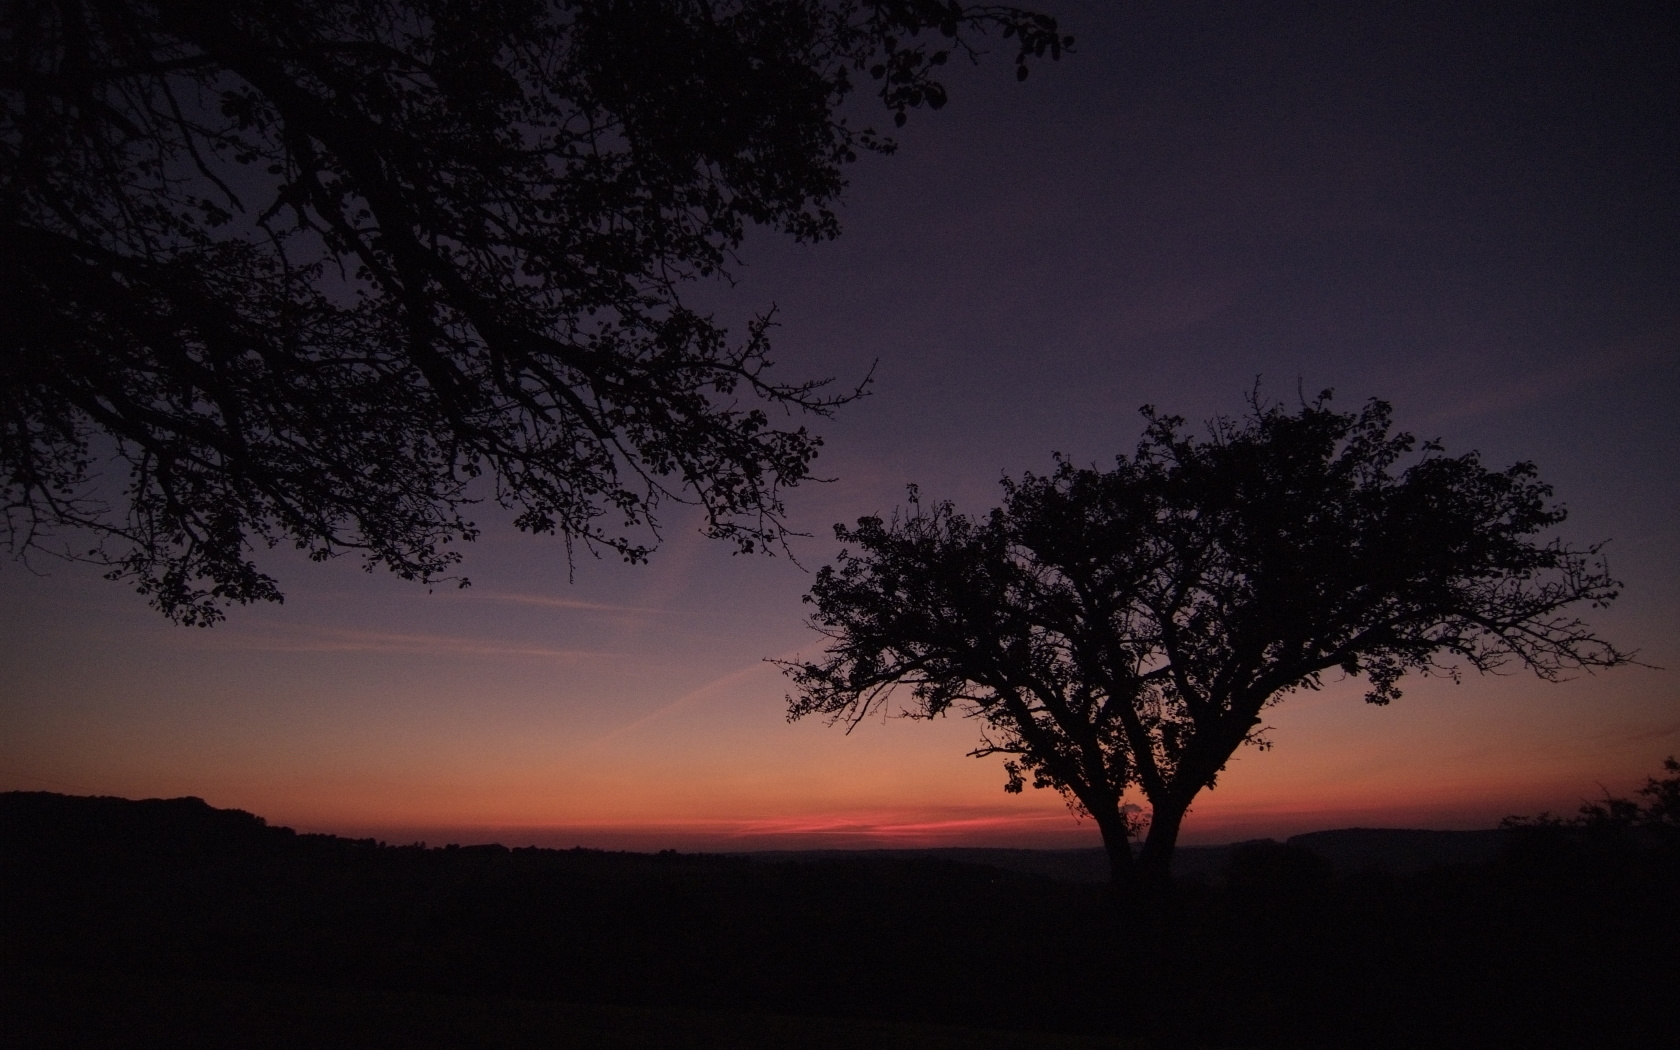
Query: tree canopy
327, 272
1120, 632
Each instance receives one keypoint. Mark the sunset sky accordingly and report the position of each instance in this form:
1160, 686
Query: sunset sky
1471, 212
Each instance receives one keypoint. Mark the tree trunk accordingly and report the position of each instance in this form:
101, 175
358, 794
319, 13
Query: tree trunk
1117, 840
1140, 899
1154, 863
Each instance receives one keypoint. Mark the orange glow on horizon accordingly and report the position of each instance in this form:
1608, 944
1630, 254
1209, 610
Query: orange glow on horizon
430, 719
804, 832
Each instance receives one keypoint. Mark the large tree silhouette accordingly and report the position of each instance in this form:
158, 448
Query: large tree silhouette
1125, 629
303, 270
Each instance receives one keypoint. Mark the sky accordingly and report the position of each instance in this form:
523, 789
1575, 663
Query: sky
1471, 211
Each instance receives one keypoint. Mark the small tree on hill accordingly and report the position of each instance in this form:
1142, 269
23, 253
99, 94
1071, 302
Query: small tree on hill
1124, 629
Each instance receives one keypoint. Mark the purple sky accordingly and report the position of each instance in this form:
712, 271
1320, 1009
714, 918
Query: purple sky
1472, 213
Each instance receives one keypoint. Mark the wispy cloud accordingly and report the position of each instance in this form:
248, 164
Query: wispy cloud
36, 783
1661, 732
729, 681
891, 828
886, 827
346, 640
1593, 365
569, 603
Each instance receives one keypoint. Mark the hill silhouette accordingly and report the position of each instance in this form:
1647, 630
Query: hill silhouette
175, 913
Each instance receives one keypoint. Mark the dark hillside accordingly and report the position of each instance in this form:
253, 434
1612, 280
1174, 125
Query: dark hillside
1396, 851
1562, 943
1390, 851
1066, 865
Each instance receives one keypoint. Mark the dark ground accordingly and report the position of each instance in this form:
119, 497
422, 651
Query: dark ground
169, 922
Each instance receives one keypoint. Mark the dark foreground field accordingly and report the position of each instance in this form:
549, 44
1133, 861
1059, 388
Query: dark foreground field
172, 923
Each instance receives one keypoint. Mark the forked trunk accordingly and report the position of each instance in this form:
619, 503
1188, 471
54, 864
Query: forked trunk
1117, 841
1154, 862
1139, 896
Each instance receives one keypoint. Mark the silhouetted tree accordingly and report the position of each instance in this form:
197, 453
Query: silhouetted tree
1658, 816
304, 269
1126, 628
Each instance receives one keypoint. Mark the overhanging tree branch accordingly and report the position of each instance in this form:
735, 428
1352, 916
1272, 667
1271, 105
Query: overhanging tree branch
471, 228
